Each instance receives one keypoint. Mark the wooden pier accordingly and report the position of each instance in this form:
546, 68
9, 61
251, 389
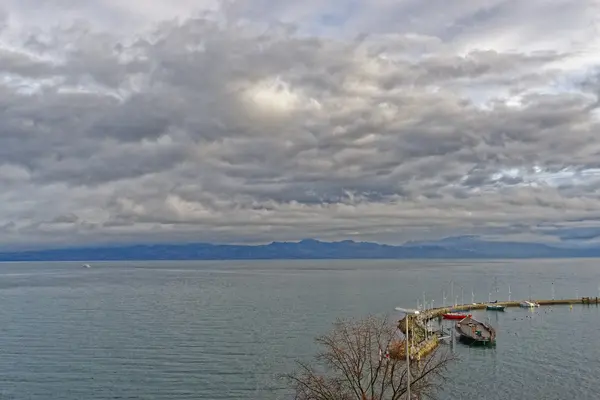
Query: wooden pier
423, 345
439, 311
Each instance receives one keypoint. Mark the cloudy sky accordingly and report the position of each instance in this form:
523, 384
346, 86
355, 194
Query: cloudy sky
260, 120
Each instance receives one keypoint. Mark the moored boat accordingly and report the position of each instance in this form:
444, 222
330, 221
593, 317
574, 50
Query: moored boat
528, 304
455, 315
472, 331
494, 307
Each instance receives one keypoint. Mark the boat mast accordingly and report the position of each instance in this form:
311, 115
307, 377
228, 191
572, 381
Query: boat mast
472, 297
509, 293
496, 286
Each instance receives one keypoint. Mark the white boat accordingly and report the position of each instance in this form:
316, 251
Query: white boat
86, 266
528, 304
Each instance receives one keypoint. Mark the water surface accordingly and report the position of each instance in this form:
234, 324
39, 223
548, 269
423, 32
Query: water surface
224, 330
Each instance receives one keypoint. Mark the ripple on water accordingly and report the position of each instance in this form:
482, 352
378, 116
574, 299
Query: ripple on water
225, 330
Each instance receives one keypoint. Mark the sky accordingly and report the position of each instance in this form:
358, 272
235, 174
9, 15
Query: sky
261, 120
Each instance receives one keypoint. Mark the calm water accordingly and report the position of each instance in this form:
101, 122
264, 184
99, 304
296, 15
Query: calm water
223, 330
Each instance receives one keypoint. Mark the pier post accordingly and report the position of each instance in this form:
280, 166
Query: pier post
407, 358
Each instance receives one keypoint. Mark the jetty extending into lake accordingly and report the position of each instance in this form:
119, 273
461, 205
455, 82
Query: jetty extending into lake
422, 343
439, 311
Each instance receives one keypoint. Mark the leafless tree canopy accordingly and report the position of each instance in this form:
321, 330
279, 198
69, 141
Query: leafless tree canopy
350, 365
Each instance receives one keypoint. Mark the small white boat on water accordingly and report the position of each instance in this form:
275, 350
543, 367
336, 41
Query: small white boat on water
86, 266
528, 304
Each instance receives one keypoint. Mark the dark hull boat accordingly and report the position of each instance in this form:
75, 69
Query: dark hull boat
473, 332
494, 307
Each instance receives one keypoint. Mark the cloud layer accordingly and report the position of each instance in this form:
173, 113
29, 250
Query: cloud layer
265, 120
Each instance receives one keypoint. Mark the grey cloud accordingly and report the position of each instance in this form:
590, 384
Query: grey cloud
65, 219
24, 65
201, 131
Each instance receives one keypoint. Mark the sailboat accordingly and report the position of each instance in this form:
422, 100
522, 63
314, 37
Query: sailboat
530, 303
494, 306
455, 315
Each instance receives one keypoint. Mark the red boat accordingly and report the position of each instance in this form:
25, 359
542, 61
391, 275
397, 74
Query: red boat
453, 315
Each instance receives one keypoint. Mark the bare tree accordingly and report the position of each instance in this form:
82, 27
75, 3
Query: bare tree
354, 364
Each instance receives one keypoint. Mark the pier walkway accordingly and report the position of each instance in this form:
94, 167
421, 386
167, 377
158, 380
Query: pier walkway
439, 311
422, 344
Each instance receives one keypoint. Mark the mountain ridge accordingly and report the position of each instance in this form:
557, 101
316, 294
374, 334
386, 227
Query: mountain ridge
462, 247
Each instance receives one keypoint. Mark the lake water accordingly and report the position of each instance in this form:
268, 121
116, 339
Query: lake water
224, 330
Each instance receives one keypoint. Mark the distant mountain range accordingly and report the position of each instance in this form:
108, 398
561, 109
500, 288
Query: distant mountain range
463, 247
